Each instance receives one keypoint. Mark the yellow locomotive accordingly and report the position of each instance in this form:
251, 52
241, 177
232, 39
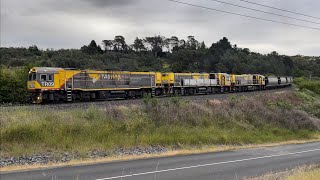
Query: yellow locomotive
58, 84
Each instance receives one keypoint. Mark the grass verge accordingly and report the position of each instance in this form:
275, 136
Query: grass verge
307, 172
313, 174
172, 123
182, 126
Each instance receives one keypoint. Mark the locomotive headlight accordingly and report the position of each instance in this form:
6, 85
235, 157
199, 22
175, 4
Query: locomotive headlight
31, 85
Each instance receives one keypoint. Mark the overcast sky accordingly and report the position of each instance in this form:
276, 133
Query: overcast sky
73, 23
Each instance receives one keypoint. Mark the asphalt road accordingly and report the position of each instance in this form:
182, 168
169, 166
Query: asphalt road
222, 165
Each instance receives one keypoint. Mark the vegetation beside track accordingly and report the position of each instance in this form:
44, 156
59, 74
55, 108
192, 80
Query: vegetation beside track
310, 172
13, 84
313, 174
309, 92
306, 84
173, 123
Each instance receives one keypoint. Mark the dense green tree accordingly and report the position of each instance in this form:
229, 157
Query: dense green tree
156, 43
35, 50
192, 43
119, 44
182, 44
92, 48
202, 45
138, 45
107, 44
173, 43
13, 84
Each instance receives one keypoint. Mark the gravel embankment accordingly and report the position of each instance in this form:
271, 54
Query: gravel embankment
126, 102
49, 157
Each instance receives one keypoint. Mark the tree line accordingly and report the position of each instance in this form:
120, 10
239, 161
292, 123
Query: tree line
156, 53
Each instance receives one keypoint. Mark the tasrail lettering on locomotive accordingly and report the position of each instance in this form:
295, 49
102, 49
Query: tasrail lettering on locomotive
110, 76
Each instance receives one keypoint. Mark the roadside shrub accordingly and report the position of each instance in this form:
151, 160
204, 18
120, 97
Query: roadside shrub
13, 83
311, 85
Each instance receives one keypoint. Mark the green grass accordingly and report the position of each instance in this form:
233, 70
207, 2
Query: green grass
169, 123
311, 85
309, 92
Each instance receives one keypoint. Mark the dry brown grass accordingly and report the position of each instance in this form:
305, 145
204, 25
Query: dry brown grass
277, 109
307, 172
170, 123
306, 175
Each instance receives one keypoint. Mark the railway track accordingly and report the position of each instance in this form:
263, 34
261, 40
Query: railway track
126, 102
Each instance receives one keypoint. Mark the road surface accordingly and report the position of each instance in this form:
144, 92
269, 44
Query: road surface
221, 165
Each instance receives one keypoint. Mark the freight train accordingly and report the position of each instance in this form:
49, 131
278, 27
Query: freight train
48, 84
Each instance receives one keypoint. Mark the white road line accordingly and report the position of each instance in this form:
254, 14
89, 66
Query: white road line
211, 164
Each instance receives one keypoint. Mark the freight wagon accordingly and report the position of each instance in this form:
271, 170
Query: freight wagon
276, 82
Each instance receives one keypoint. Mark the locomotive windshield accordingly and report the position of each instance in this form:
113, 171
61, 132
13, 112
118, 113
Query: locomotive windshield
32, 76
46, 77
42, 77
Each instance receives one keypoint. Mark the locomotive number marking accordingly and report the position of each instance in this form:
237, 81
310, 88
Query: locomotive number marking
47, 84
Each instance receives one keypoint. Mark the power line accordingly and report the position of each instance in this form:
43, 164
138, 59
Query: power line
266, 12
272, 7
243, 15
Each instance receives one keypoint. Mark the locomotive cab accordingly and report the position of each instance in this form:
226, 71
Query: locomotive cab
40, 82
34, 87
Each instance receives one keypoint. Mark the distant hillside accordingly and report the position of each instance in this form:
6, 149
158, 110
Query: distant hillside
159, 53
